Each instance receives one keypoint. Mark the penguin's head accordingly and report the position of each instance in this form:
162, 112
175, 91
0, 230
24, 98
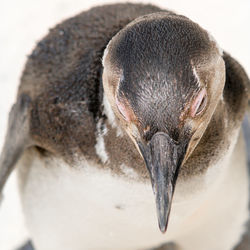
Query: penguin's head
163, 77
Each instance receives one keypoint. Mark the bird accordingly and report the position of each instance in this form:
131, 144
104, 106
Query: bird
126, 134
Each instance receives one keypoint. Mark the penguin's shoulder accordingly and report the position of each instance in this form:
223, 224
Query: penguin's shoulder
237, 88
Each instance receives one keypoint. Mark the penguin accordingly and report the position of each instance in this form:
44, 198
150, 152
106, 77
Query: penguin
126, 133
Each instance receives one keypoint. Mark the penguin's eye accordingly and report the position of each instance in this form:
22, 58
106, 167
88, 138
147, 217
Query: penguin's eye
199, 103
122, 109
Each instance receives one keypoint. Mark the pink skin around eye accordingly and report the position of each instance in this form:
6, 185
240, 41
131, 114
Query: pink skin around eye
197, 102
123, 110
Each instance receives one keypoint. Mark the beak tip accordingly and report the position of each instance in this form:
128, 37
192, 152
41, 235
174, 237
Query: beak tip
163, 224
163, 228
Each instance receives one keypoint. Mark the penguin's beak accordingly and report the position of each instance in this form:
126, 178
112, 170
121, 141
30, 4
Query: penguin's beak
163, 158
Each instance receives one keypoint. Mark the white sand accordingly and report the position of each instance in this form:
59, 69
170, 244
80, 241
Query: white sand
22, 23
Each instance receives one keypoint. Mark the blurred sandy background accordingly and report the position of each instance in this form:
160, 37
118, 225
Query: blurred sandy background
24, 22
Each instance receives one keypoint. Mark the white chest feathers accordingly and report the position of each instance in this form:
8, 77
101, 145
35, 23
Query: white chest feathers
89, 208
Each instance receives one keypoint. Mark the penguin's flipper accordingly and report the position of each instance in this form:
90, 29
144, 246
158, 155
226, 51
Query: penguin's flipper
17, 138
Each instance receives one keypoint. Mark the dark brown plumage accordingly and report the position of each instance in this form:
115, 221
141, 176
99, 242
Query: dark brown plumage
64, 72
